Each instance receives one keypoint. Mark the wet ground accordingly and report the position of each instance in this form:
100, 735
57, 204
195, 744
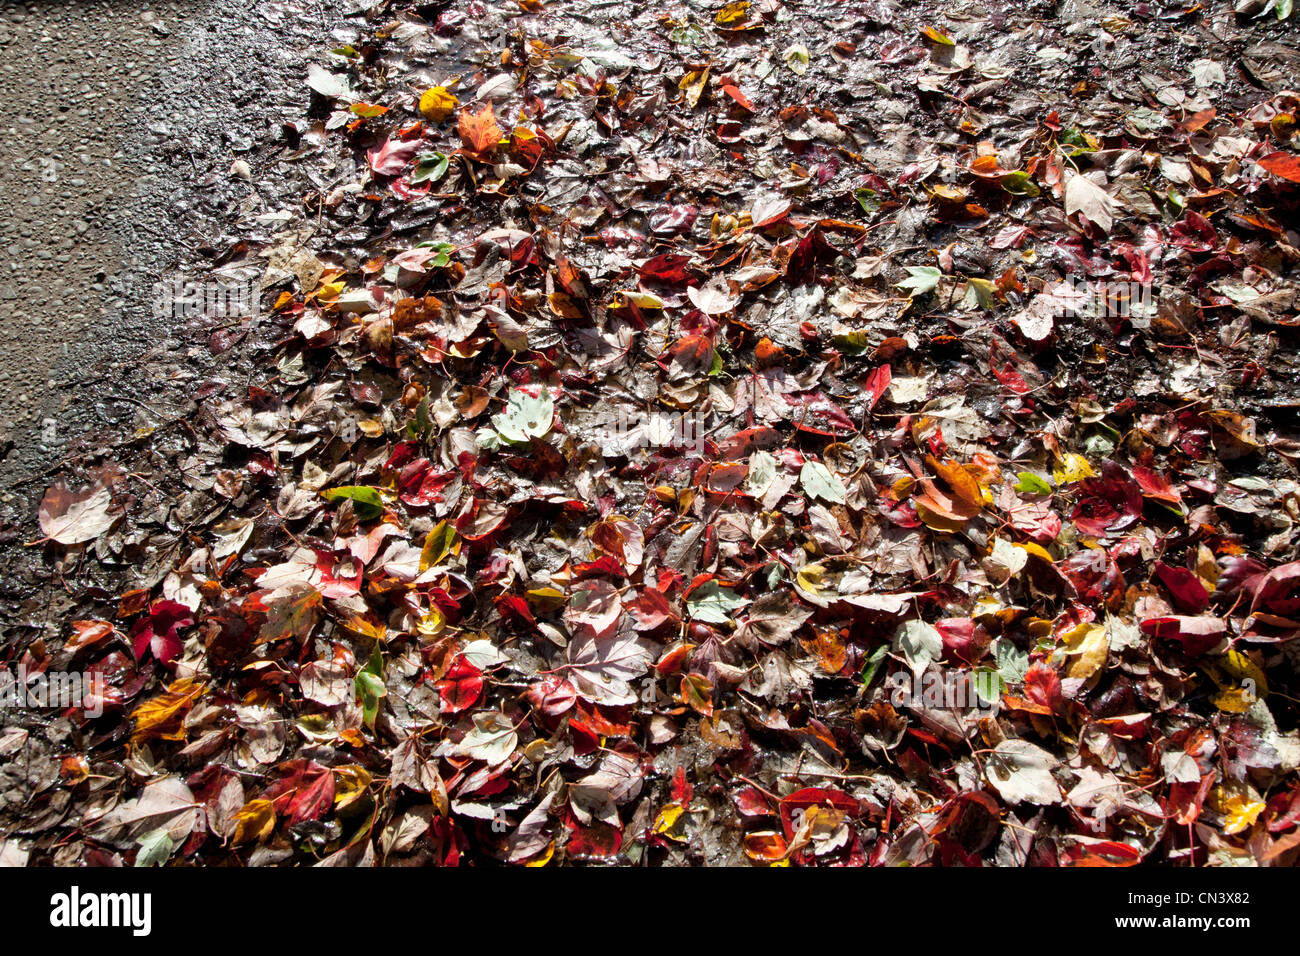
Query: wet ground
152, 143
135, 133
123, 122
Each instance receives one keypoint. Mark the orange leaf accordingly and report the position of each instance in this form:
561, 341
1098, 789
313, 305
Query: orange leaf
1286, 165
479, 131
766, 846
962, 482
161, 716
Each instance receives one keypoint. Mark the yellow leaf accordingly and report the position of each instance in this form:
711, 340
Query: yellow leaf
1240, 808
946, 193
441, 541
1036, 550
375, 630
437, 104
1072, 468
1243, 669
1089, 645
154, 717
328, 292
1233, 700
810, 577
735, 12
433, 623
1240, 682
642, 300
350, 782
256, 821
545, 600
544, 857
667, 822
935, 35
692, 84
1207, 568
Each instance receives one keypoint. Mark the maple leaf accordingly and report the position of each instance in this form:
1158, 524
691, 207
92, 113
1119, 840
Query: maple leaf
479, 131
156, 633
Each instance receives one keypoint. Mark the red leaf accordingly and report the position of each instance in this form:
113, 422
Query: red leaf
391, 157
313, 799
1196, 634
460, 688
876, 384
1043, 686
1188, 593
738, 96
682, 789
305, 792
1108, 504
1156, 486
157, 632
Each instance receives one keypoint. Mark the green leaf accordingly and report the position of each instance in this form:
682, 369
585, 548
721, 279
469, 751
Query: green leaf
370, 686
714, 604
1012, 662
155, 848
1019, 184
430, 167
1098, 445
1074, 142
873, 664
1032, 484
867, 200
981, 293
988, 684
816, 480
920, 280
1283, 9
366, 500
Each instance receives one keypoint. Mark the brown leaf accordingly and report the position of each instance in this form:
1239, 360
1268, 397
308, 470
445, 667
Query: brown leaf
75, 518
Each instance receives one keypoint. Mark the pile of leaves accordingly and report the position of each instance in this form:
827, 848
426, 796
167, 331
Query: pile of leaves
649, 393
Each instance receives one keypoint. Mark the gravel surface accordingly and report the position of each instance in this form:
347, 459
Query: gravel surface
123, 122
